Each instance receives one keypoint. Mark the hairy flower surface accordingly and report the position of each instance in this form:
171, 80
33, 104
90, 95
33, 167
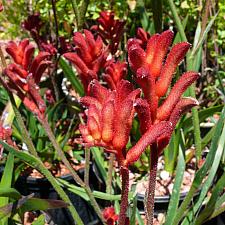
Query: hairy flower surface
154, 68
89, 58
110, 29
109, 115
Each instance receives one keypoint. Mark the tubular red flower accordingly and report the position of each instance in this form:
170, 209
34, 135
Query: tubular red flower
17, 51
184, 105
149, 137
164, 111
175, 56
158, 52
144, 114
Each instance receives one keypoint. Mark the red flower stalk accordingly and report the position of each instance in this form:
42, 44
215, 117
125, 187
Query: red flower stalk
115, 72
110, 216
89, 58
110, 29
25, 74
154, 74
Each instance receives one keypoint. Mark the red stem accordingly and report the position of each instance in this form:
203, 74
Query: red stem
150, 194
124, 198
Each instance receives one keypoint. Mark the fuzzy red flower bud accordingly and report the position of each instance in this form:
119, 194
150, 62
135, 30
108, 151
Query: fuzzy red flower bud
115, 72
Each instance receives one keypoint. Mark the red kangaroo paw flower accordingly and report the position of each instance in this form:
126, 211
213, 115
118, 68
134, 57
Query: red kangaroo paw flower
28, 54
89, 58
115, 72
152, 47
149, 137
181, 85
87, 138
136, 57
184, 105
78, 62
34, 92
37, 60
111, 114
16, 79
148, 86
94, 128
88, 101
110, 29
83, 49
142, 37
160, 51
122, 129
17, 51
33, 22
91, 43
40, 70
175, 56
110, 216
144, 115
97, 91
18, 70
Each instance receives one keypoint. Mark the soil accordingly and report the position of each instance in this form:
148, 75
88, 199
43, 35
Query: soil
164, 181
57, 170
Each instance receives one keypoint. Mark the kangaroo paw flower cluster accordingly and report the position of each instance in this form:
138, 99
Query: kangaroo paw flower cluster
89, 58
110, 29
25, 73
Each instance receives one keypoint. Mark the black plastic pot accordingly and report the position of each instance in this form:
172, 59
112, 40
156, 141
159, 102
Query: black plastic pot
43, 189
162, 203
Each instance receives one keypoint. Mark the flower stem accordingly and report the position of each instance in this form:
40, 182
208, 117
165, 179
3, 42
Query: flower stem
124, 198
83, 10
150, 194
110, 174
87, 166
76, 12
76, 177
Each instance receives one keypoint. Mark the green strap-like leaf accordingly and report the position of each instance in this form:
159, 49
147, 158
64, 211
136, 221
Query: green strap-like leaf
97, 194
6, 182
71, 76
37, 164
207, 184
10, 193
174, 200
199, 176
